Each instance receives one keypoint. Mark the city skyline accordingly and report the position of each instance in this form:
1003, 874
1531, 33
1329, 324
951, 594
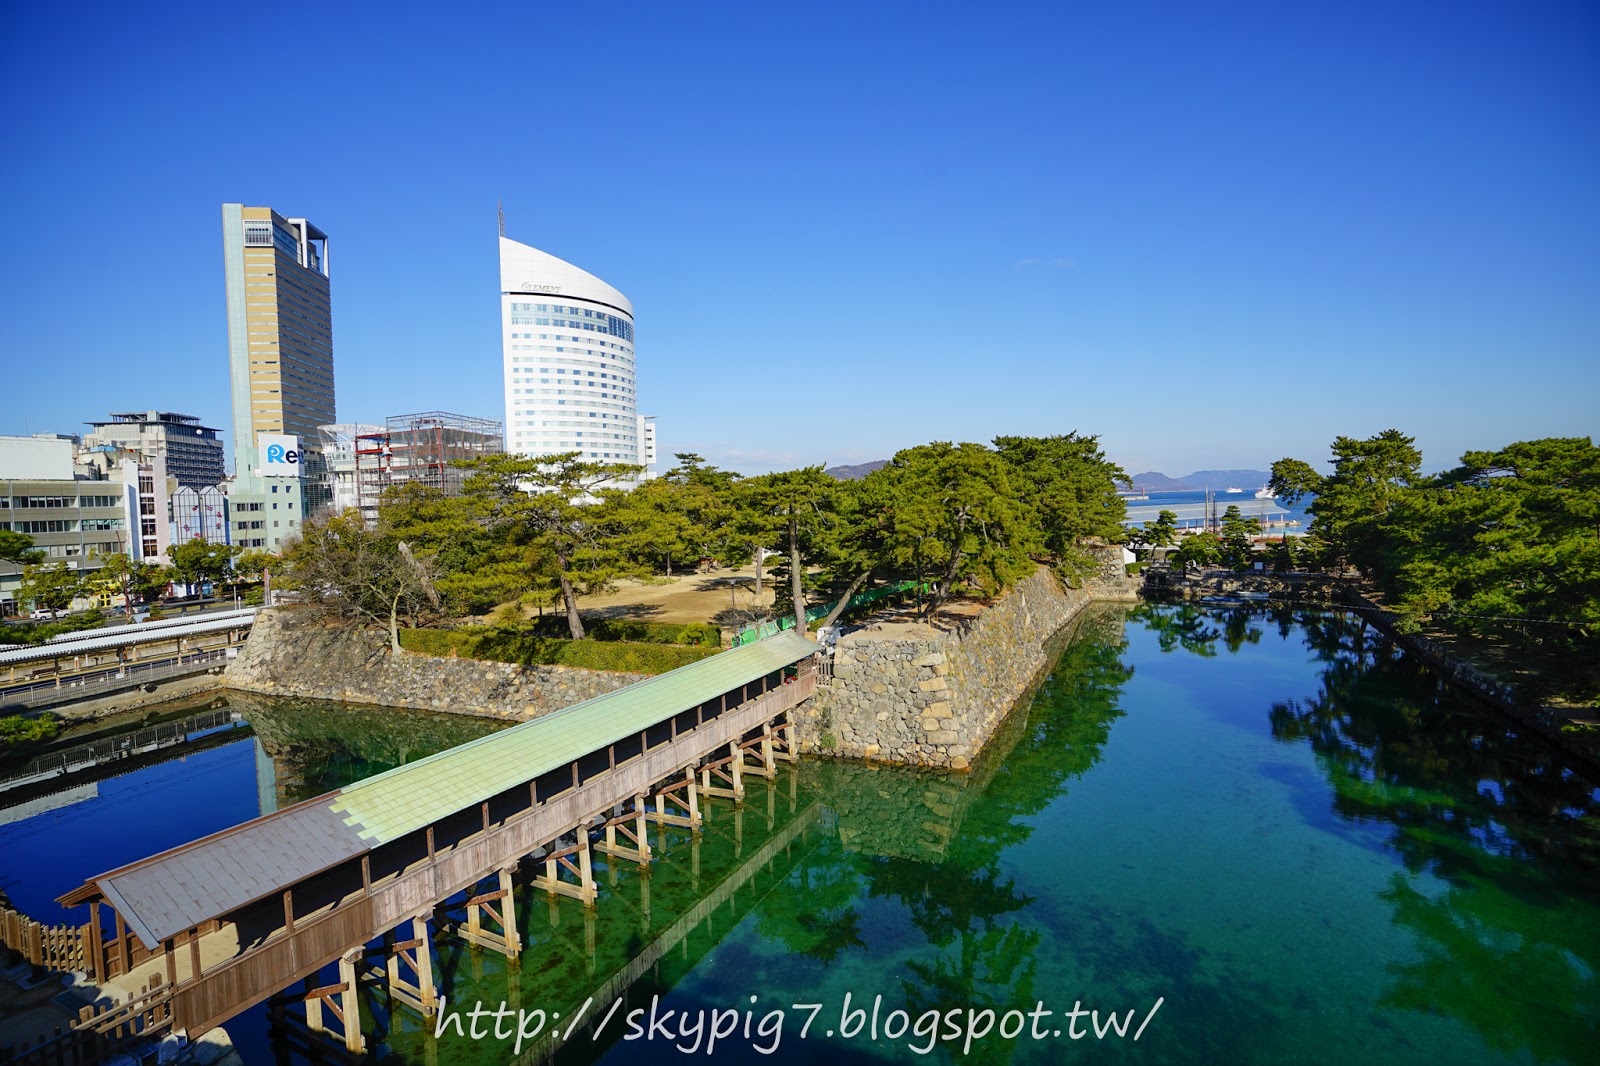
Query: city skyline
1210, 238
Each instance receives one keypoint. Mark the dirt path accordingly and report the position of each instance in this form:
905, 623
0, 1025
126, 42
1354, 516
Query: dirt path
724, 598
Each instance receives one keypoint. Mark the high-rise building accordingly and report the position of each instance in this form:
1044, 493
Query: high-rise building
569, 371
193, 452
280, 354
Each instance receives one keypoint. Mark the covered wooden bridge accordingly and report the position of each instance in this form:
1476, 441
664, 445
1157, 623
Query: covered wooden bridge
222, 923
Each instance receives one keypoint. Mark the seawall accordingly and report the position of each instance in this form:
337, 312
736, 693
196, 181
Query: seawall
289, 657
918, 694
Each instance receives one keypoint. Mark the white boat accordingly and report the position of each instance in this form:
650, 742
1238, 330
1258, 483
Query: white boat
1233, 490
1264, 493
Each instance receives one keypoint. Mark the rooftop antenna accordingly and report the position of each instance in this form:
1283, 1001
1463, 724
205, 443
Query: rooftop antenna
502, 208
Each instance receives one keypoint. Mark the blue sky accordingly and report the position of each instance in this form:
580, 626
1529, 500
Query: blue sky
1211, 234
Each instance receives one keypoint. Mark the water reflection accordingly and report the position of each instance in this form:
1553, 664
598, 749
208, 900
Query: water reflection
1510, 944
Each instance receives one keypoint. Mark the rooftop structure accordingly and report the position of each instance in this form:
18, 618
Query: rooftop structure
193, 452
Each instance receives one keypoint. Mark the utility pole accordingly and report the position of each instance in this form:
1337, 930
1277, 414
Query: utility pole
501, 205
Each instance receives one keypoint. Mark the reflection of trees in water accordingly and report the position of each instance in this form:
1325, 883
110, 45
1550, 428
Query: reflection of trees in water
1198, 629
318, 747
1512, 946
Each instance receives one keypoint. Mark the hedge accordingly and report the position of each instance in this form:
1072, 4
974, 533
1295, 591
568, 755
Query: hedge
528, 649
39, 632
636, 632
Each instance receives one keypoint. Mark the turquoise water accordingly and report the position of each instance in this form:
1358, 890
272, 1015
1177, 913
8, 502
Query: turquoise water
1273, 822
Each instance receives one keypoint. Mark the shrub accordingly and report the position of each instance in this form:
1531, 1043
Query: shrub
528, 649
39, 632
19, 730
630, 630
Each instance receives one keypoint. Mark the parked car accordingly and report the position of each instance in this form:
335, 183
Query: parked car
43, 614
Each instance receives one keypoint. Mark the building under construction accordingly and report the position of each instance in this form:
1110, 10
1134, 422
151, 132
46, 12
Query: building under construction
421, 449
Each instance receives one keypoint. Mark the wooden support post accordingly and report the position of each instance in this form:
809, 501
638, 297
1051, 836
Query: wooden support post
122, 944
288, 911
424, 966
508, 917
313, 1009
350, 1005
500, 907
97, 947
557, 860
194, 954
172, 961
640, 851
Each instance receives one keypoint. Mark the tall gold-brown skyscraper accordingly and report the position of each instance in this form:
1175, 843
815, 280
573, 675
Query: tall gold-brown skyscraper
280, 354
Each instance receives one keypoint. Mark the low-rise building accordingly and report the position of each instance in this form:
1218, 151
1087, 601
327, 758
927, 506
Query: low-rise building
74, 515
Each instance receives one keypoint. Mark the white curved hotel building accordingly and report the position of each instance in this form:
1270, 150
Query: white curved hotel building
569, 370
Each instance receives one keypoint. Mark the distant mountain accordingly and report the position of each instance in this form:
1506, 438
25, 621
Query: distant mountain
1155, 481
854, 473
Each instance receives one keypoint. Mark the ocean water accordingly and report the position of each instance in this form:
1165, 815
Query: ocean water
1251, 835
1190, 507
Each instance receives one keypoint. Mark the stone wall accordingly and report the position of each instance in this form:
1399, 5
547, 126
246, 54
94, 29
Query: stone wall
913, 693
288, 657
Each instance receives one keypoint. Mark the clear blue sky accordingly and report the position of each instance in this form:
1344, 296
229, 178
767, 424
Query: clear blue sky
1212, 234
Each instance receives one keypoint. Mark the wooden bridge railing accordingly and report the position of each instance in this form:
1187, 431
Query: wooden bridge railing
55, 947
98, 1031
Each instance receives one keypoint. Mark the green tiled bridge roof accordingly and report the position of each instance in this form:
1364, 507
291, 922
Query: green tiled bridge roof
179, 889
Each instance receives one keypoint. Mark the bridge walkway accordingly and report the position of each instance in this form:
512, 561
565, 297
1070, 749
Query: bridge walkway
232, 919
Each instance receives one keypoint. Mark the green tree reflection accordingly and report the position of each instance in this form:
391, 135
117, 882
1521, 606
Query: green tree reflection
1472, 799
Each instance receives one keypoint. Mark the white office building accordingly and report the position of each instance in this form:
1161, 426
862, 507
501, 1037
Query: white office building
570, 380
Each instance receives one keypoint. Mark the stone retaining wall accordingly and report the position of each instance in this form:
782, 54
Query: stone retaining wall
287, 657
911, 693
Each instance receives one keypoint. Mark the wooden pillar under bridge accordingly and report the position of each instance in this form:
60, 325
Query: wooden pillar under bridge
732, 775
416, 989
640, 852
340, 1000
785, 749
556, 861
499, 906
350, 1009
689, 801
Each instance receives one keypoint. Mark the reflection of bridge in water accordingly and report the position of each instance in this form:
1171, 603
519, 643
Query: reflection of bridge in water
223, 923
120, 752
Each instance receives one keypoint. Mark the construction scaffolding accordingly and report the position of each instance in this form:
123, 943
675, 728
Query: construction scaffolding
421, 449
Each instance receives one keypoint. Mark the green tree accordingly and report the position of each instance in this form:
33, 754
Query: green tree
448, 532
1370, 479
122, 575
18, 548
1071, 489
1236, 547
800, 506
1163, 531
198, 561
953, 513
52, 586
1198, 549
542, 509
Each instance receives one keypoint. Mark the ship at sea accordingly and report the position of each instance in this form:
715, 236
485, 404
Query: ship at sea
1233, 490
1264, 493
